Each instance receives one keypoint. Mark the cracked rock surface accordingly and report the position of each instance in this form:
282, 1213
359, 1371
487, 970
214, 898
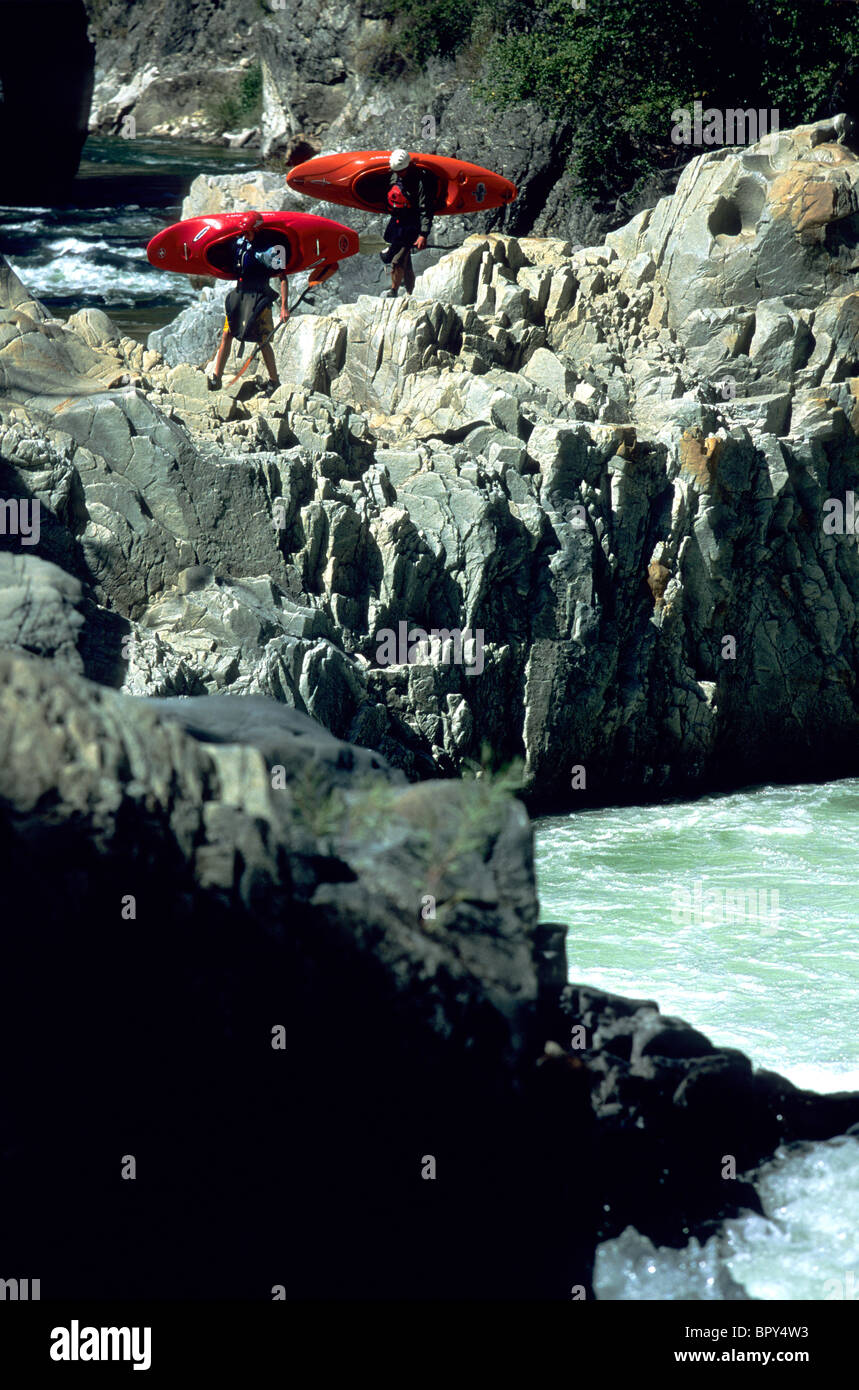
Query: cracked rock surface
221, 810
611, 462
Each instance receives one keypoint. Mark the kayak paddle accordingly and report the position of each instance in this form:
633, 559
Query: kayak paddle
370, 244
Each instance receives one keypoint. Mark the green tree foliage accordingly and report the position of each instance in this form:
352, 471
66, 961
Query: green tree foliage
616, 69
245, 106
432, 27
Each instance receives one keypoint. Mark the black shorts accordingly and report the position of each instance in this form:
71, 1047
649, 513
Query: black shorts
262, 327
401, 234
397, 255
248, 315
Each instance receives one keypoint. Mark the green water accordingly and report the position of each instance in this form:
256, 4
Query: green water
643, 890
90, 252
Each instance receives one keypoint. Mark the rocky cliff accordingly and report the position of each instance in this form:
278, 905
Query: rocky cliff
619, 465
173, 68
264, 961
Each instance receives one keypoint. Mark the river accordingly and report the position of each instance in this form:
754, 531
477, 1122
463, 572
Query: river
782, 984
650, 893
91, 252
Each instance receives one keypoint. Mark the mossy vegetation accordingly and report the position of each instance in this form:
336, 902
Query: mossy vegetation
241, 108
372, 817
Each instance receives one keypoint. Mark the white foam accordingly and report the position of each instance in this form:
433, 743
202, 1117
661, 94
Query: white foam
75, 276
631, 1268
809, 1240
786, 990
805, 1247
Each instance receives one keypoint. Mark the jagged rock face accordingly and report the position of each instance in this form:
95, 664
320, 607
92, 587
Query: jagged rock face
776, 222
306, 67
709, 1102
537, 447
168, 66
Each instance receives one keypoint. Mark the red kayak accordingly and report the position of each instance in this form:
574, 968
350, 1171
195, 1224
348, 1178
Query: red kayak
360, 179
205, 245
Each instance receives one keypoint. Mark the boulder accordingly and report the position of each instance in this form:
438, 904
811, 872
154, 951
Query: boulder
453, 279
95, 327
310, 352
194, 334
836, 339
751, 223
388, 342
782, 340
259, 189
40, 357
544, 368
40, 609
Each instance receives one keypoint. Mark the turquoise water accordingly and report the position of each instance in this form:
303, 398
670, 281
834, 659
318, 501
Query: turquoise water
648, 893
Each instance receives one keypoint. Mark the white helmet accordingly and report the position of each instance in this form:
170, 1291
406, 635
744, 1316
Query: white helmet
399, 160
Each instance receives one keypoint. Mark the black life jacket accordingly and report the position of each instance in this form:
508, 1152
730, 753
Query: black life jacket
252, 275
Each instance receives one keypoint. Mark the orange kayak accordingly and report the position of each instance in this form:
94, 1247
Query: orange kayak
206, 245
360, 179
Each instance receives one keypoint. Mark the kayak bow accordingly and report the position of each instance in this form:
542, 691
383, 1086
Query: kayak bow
360, 179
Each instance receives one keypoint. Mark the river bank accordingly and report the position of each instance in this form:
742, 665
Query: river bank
91, 251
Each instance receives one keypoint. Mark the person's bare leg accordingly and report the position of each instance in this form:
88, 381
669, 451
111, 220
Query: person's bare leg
223, 353
397, 273
268, 359
408, 273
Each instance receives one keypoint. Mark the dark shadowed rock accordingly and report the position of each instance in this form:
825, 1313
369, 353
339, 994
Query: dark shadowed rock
191, 909
42, 139
671, 1106
283, 735
198, 911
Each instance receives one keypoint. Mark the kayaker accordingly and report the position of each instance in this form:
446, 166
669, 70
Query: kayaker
248, 306
411, 198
